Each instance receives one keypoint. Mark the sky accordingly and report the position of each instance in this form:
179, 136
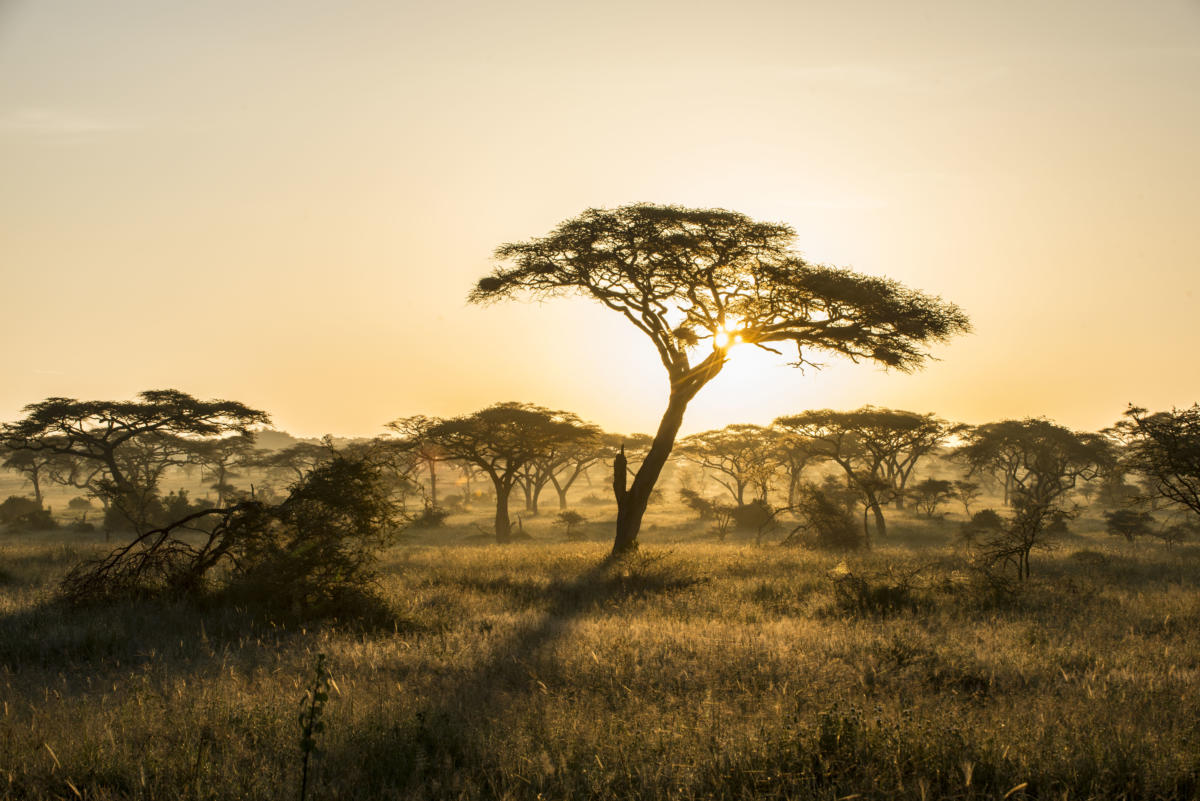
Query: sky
286, 204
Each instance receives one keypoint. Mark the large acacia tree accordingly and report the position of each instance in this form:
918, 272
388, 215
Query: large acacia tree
119, 449
698, 281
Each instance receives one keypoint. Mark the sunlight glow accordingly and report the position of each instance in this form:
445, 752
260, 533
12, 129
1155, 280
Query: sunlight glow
727, 335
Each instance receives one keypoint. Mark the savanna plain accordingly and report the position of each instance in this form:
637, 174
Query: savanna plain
704, 666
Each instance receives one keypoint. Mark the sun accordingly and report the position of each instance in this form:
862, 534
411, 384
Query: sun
727, 335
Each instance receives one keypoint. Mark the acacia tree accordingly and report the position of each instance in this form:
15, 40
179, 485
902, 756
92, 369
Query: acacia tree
220, 456
1165, 447
295, 461
119, 449
413, 432
794, 453
738, 456
564, 458
698, 281
877, 448
501, 440
1040, 463
35, 466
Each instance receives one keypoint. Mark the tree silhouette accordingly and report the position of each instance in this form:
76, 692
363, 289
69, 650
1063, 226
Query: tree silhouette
878, 448
697, 282
501, 440
121, 448
738, 456
1166, 449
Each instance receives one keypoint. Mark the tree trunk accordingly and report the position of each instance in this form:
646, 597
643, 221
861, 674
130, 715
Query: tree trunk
562, 498
503, 526
36, 480
880, 523
537, 493
631, 503
432, 483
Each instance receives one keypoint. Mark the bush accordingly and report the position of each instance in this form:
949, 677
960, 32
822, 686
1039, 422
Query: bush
80, 504
872, 593
311, 554
825, 523
751, 516
18, 511
431, 517
985, 521
316, 551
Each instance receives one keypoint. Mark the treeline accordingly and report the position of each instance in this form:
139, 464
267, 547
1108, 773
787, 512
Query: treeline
1142, 470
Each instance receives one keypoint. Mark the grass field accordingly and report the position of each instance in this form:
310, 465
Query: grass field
697, 670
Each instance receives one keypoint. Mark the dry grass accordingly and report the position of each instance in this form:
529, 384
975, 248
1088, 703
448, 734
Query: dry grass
699, 670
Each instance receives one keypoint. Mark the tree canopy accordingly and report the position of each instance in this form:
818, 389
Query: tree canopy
697, 282
502, 440
120, 448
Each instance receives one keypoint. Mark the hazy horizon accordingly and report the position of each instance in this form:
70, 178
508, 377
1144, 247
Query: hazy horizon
288, 209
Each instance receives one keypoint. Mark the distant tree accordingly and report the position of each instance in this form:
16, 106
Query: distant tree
572, 459
1035, 458
737, 456
877, 448
697, 282
294, 461
570, 520
36, 466
220, 456
413, 433
966, 492
120, 449
1165, 448
1040, 463
501, 440
1128, 523
794, 454
929, 494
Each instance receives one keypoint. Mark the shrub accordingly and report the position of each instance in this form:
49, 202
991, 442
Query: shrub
983, 522
751, 516
825, 523
873, 593
317, 549
21, 512
705, 508
313, 553
431, 517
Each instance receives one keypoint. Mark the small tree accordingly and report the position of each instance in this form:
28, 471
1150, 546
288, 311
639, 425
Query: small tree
304, 554
929, 494
966, 493
571, 521
1128, 523
697, 282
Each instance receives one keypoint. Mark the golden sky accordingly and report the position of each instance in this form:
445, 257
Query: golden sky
286, 203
